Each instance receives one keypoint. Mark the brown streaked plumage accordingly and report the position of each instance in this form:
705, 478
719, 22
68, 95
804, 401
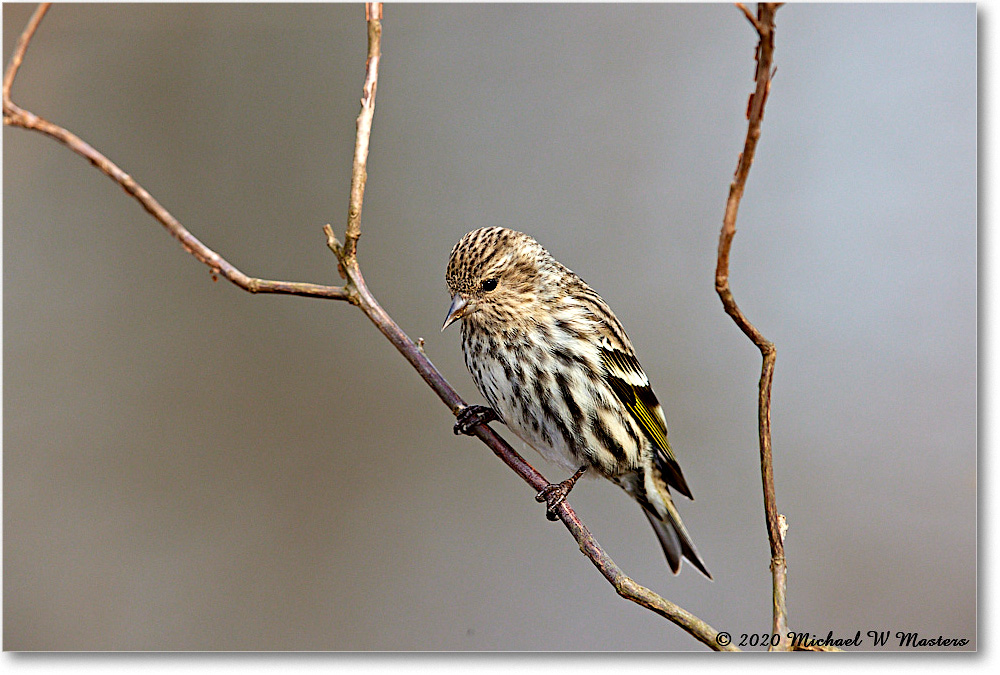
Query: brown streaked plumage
555, 364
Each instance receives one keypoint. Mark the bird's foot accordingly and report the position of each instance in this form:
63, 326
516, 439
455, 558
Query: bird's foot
554, 494
474, 415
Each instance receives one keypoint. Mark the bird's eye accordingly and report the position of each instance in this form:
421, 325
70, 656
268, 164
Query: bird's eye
490, 284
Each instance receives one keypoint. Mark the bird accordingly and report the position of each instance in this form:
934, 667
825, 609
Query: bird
557, 368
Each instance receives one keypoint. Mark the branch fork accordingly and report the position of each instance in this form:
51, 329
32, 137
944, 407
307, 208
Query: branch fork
356, 292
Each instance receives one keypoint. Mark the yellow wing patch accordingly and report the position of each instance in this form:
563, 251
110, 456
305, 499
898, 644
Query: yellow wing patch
631, 386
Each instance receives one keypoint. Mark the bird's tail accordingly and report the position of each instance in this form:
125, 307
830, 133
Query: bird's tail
674, 538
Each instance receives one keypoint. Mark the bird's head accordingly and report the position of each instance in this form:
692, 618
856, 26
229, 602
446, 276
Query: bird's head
498, 274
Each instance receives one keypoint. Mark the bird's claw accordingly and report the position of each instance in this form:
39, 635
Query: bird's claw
554, 494
472, 416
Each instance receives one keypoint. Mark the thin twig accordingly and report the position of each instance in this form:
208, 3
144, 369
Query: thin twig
359, 171
764, 25
356, 291
22, 46
750, 17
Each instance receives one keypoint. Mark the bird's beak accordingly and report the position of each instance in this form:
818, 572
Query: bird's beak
459, 306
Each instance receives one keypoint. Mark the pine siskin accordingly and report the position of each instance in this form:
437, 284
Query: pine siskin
555, 364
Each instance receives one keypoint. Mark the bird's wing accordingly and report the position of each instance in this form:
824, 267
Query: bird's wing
627, 380
629, 383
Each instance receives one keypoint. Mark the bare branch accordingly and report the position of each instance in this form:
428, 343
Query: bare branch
359, 172
764, 25
18, 56
750, 17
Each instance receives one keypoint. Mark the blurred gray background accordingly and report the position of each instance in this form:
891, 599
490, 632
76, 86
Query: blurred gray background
187, 466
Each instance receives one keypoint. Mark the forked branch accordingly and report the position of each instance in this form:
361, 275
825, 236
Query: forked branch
356, 292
